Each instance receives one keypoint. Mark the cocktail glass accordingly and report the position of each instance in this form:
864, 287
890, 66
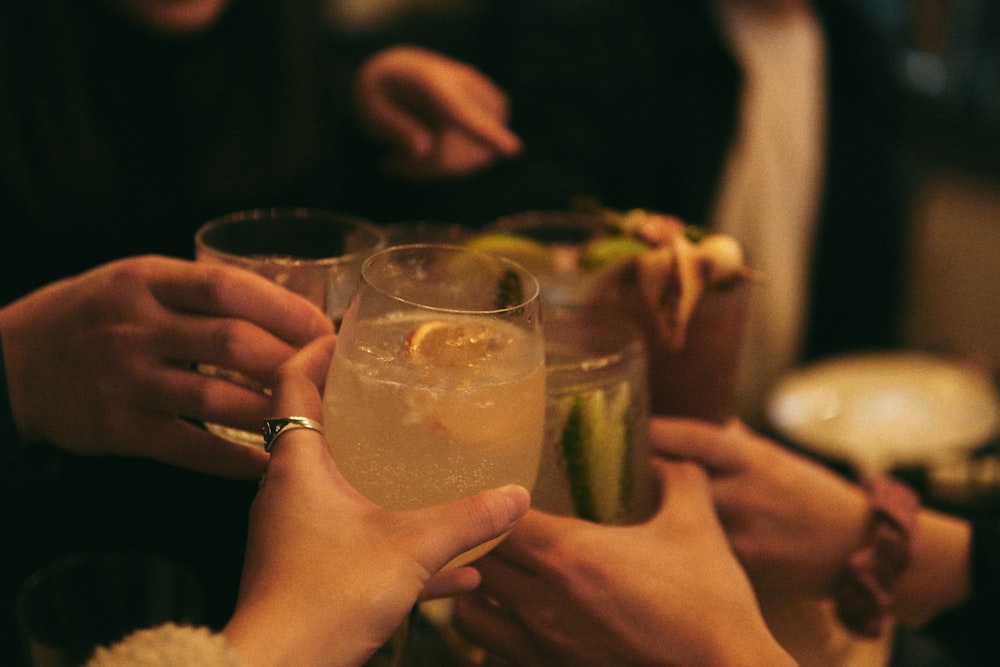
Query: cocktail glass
595, 462
563, 233
436, 388
697, 379
312, 252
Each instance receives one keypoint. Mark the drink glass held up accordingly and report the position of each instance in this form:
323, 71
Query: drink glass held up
595, 463
436, 389
315, 253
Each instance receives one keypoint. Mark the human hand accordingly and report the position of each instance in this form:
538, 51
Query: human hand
329, 575
101, 363
791, 521
562, 591
439, 117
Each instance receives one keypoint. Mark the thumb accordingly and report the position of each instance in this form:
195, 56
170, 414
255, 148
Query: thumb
459, 526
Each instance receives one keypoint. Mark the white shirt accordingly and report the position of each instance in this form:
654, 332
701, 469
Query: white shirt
772, 179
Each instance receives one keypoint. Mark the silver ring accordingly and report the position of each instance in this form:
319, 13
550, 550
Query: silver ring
275, 427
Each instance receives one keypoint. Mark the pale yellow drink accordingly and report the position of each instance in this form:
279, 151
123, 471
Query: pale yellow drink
428, 411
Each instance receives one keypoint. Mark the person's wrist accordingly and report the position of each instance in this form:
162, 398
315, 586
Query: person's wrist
759, 649
866, 588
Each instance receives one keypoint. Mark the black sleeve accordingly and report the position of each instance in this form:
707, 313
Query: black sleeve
9, 438
19, 464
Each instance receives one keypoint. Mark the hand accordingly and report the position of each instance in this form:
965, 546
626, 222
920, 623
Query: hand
440, 117
791, 521
328, 574
562, 591
102, 363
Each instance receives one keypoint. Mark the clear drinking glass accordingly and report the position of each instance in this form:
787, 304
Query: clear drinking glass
312, 252
595, 461
436, 389
697, 380
564, 284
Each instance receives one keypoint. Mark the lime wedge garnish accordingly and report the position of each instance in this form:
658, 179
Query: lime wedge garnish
605, 250
532, 255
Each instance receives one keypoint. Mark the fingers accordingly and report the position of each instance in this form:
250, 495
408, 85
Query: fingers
229, 292
176, 442
453, 154
692, 439
194, 395
536, 536
503, 579
298, 381
484, 116
484, 623
450, 582
225, 343
686, 501
398, 127
442, 117
464, 524
296, 393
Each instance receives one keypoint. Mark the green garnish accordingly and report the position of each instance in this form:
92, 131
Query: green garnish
510, 291
694, 233
575, 438
597, 450
608, 249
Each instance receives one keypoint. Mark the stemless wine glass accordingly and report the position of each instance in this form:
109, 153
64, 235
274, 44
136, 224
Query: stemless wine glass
436, 389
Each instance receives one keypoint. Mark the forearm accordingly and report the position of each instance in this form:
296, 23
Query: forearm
748, 649
938, 577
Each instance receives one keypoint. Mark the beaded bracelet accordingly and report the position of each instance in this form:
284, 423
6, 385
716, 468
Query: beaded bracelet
866, 587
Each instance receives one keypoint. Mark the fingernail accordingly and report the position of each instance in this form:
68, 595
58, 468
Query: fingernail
518, 500
513, 145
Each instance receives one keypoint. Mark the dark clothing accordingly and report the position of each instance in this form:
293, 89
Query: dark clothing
635, 102
117, 142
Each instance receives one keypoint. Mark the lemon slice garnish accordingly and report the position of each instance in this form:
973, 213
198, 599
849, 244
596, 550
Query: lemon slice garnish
444, 343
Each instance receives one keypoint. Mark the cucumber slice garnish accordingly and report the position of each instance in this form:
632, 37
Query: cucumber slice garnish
597, 449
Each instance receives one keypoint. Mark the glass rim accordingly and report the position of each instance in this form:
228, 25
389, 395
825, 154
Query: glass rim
627, 341
531, 294
599, 361
292, 214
